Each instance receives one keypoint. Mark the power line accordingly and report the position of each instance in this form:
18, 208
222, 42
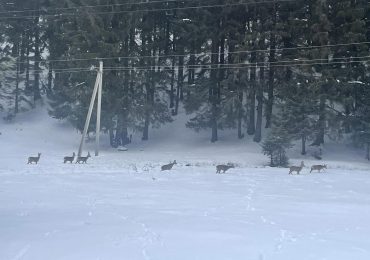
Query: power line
151, 10
232, 67
254, 64
267, 65
135, 11
205, 53
238, 65
96, 6
118, 5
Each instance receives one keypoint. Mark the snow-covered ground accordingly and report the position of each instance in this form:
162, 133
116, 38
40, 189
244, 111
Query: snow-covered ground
121, 206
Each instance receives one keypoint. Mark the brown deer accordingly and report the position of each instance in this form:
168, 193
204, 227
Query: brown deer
83, 159
69, 158
34, 159
223, 168
168, 167
297, 169
318, 167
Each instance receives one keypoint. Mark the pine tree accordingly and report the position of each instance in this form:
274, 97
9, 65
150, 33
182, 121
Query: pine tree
275, 146
298, 110
7, 76
349, 25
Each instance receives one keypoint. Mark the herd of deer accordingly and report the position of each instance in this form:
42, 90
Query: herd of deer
292, 169
298, 169
219, 168
167, 167
70, 159
224, 168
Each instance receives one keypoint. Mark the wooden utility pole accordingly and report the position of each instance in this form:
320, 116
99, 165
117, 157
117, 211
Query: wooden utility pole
97, 90
99, 109
16, 103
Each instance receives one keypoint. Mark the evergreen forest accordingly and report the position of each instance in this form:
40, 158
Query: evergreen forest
298, 68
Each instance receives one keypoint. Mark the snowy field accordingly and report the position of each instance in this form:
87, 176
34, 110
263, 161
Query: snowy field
121, 206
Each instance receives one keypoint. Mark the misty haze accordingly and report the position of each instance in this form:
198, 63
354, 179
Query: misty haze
181, 130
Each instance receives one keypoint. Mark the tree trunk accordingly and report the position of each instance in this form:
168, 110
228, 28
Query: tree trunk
50, 78
214, 89
16, 102
321, 123
147, 113
179, 86
149, 103
240, 114
320, 11
126, 90
23, 52
270, 100
125, 139
180, 76
347, 125
303, 152
180, 79
132, 63
27, 83
172, 90
221, 70
272, 58
271, 160
214, 137
251, 129
240, 92
121, 137
111, 138
258, 134
287, 41
191, 70
146, 128
146, 41
36, 84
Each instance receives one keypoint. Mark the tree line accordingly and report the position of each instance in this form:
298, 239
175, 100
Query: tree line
298, 67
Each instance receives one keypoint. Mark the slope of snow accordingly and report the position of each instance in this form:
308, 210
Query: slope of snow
121, 206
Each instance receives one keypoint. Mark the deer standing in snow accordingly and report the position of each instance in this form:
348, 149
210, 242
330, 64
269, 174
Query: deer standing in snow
223, 168
69, 158
34, 159
83, 159
318, 167
168, 166
297, 169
